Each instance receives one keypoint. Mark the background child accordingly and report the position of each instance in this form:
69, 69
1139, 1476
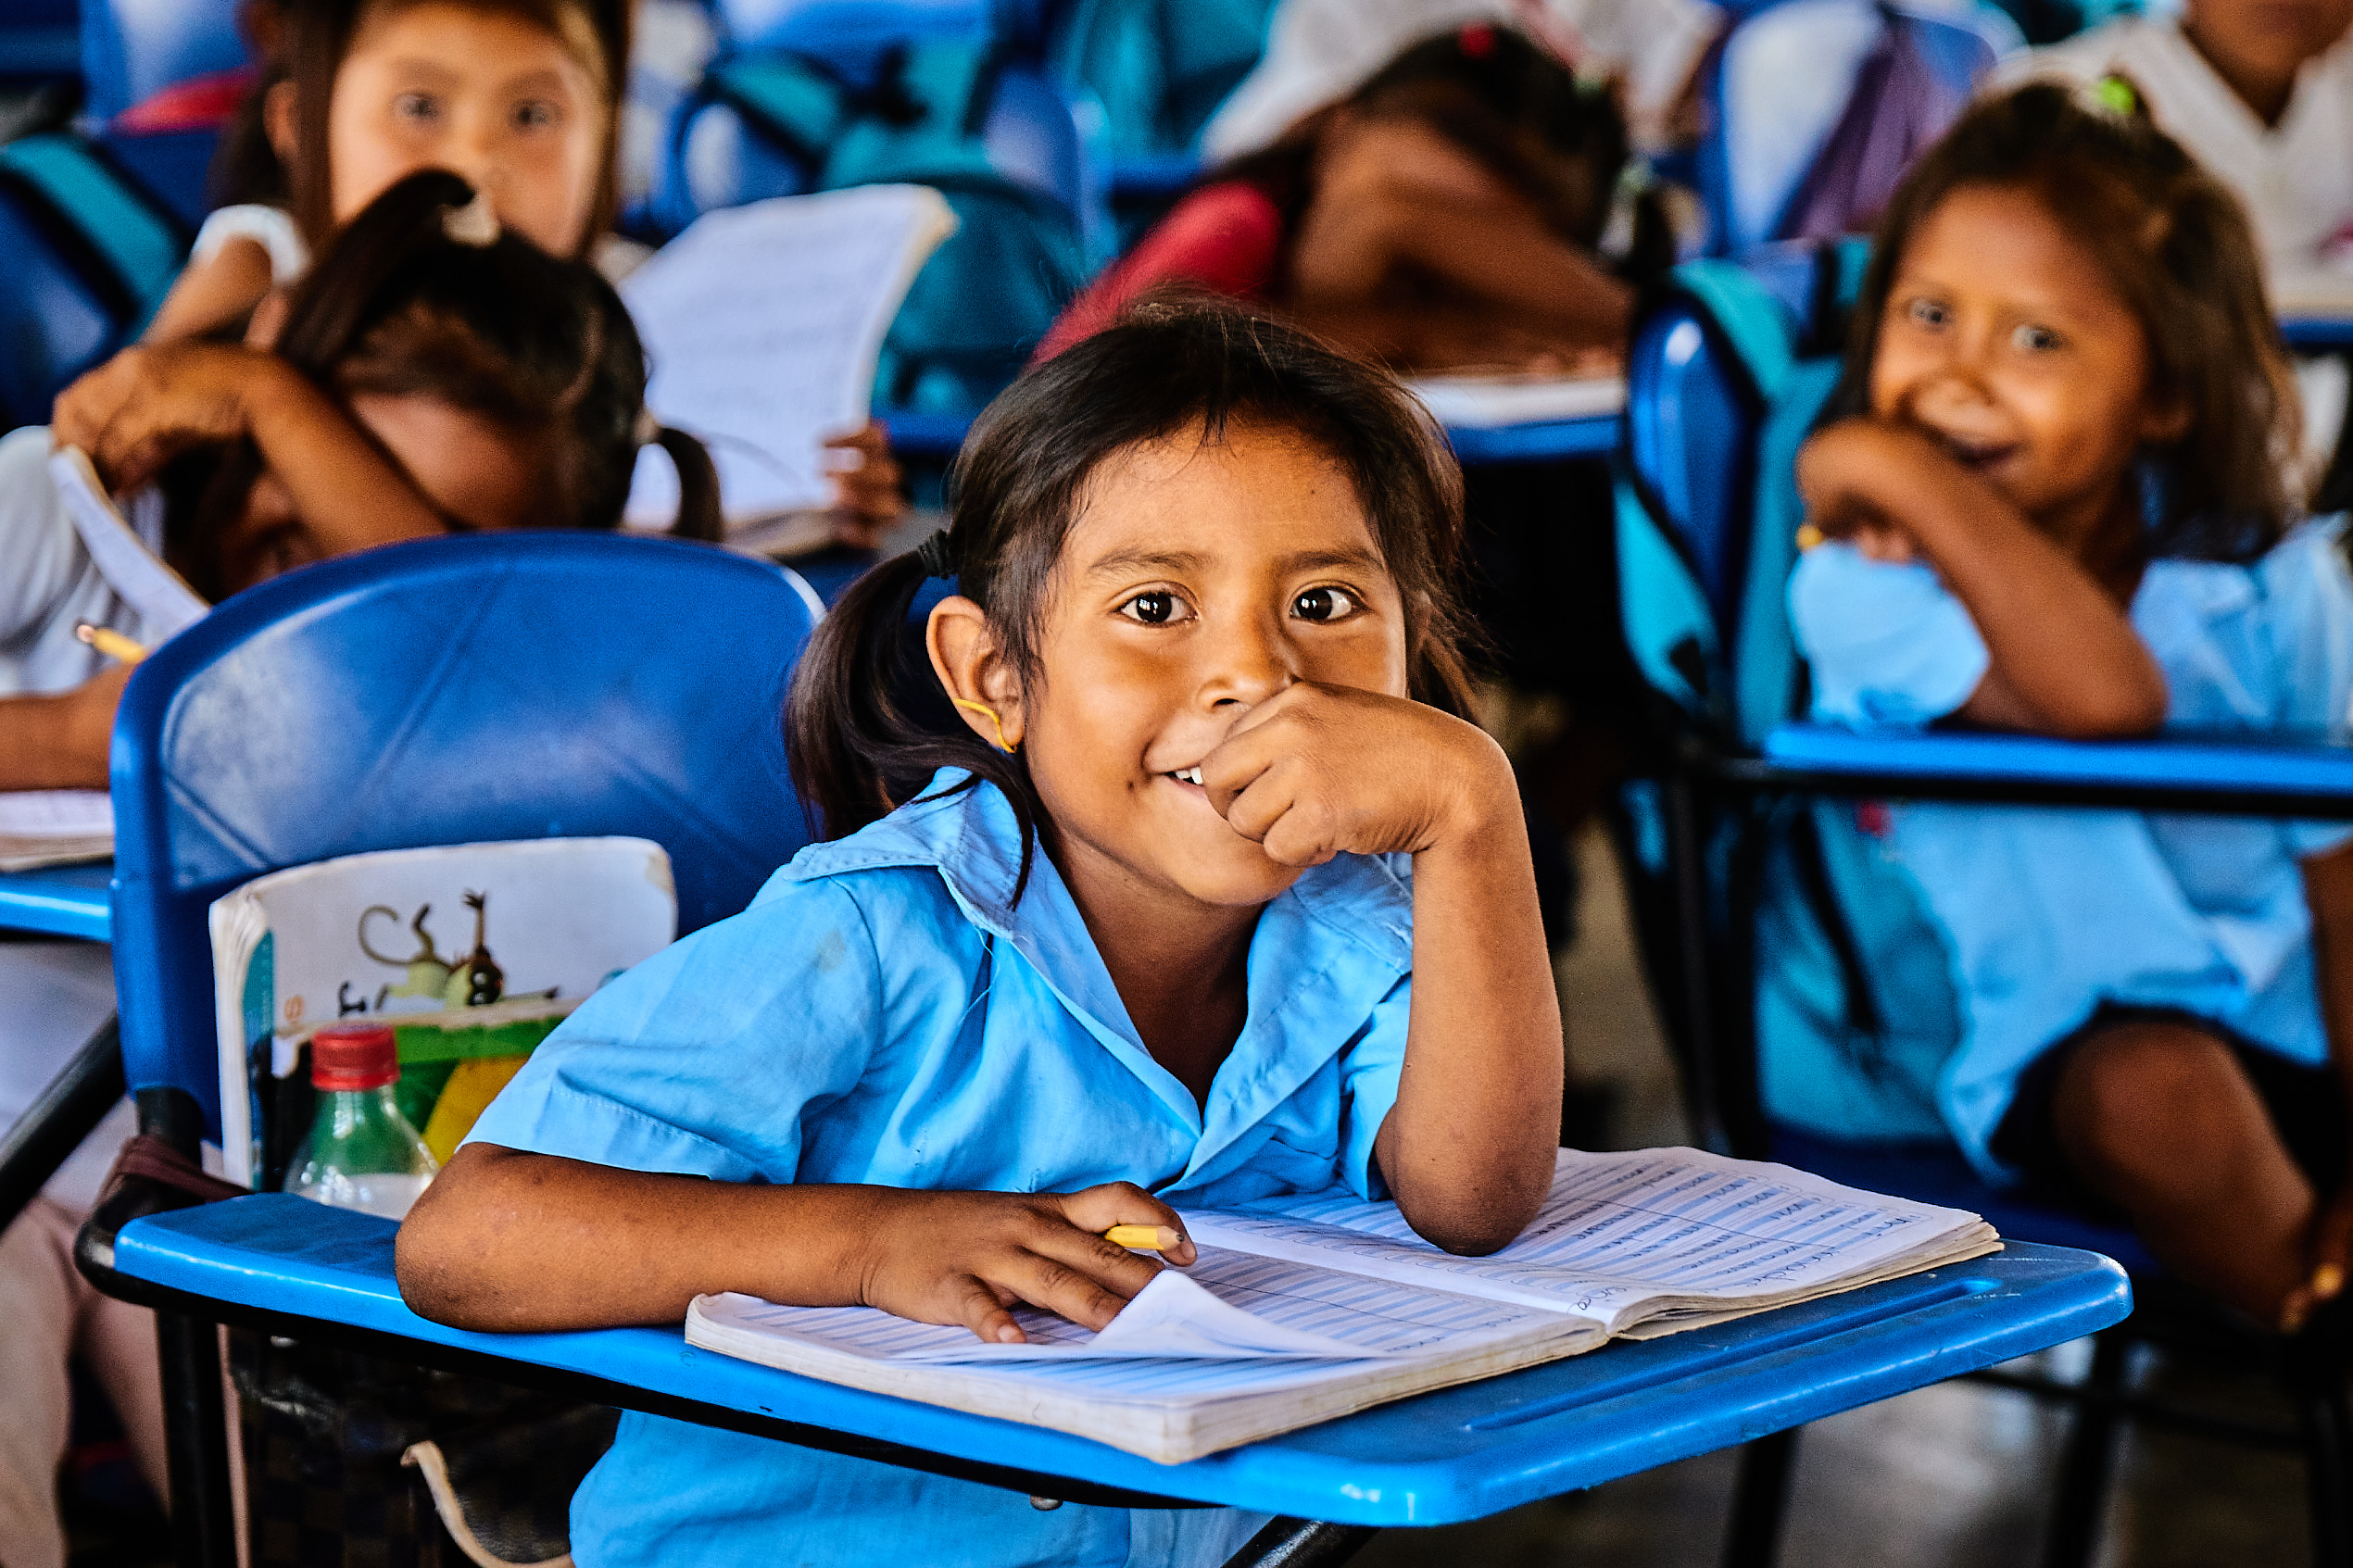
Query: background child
2059, 510
1444, 215
1117, 930
2261, 92
523, 99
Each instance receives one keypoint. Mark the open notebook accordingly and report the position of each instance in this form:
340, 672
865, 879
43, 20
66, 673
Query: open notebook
1297, 1314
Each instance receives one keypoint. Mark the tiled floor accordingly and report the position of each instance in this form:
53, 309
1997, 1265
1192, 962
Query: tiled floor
1953, 1477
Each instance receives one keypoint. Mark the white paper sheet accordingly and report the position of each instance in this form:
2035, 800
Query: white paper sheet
167, 605
1487, 402
764, 324
54, 827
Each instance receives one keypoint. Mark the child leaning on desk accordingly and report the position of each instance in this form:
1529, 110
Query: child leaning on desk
522, 98
1159, 869
1445, 214
435, 374
2055, 505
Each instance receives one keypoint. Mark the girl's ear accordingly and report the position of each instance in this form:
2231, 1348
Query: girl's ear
279, 121
2165, 420
972, 666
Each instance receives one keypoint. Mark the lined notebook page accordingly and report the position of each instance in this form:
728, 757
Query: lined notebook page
1229, 1309
1622, 1232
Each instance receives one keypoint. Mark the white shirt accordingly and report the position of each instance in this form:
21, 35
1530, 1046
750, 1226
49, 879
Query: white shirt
2295, 177
47, 580
1318, 51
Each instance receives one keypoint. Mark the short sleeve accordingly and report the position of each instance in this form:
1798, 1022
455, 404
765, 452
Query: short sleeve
271, 228
1369, 1072
707, 1059
1887, 644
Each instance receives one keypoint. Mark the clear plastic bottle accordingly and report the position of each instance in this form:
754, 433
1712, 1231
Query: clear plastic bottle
360, 1152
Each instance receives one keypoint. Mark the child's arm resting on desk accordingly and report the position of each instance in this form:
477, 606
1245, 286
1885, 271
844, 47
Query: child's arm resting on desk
505, 1240
59, 741
2064, 657
1319, 770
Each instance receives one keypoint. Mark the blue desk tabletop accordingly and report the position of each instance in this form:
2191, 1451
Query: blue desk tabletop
2316, 774
59, 900
1455, 1454
940, 435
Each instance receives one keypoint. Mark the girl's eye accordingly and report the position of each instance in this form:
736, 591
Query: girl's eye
1158, 607
417, 106
1927, 313
538, 115
1323, 604
2034, 340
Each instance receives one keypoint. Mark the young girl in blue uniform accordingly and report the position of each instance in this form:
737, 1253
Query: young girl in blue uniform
1159, 870
2058, 506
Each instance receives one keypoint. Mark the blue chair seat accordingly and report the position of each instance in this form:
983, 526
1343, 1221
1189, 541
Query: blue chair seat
1455, 1454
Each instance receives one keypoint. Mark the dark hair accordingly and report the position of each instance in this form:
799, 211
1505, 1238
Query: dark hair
869, 722
1511, 105
503, 331
2176, 244
318, 34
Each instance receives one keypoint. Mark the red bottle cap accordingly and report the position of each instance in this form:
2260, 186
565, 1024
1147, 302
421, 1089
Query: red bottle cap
354, 1056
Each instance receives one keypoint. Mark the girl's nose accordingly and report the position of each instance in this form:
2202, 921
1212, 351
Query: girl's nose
1248, 667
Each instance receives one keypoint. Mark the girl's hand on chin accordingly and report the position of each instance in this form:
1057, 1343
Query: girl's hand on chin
1856, 476
968, 1257
148, 404
1315, 772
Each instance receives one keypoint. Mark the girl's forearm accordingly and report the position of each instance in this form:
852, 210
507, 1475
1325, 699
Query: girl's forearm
2328, 892
43, 746
2065, 658
342, 484
1468, 1152
509, 1241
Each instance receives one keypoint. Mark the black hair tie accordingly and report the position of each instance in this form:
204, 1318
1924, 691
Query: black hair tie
934, 555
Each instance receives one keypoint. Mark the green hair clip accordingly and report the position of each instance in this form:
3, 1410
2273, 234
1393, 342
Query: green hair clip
2116, 96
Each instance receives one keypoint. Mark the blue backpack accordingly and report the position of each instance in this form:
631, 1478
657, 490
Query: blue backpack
91, 255
1157, 70
1728, 375
993, 139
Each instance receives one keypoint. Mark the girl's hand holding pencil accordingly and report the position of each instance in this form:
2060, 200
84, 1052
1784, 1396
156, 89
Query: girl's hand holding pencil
968, 1257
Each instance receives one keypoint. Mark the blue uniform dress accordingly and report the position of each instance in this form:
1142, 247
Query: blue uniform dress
885, 1012
2045, 915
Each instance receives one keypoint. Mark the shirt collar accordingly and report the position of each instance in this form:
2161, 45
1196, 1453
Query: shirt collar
1325, 952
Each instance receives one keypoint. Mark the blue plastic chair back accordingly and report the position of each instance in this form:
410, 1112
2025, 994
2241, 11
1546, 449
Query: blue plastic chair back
90, 258
502, 687
131, 49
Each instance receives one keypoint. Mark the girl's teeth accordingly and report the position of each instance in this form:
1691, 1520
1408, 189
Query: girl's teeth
1190, 775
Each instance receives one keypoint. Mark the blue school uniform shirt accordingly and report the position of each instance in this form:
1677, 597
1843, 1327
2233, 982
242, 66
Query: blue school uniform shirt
2043, 915
885, 1012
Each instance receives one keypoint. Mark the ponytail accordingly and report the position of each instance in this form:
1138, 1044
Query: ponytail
699, 518
868, 723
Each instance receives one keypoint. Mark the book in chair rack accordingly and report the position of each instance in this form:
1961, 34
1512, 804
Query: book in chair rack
1298, 1312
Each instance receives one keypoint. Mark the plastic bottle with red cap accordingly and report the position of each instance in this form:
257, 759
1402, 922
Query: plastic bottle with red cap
360, 1152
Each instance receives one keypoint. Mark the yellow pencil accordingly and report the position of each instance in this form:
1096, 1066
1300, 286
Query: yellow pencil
114, 644
1145, 1238
1808, 536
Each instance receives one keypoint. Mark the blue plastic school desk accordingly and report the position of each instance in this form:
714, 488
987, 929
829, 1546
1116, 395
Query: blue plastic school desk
59, 901
915, 433
1440, 1458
